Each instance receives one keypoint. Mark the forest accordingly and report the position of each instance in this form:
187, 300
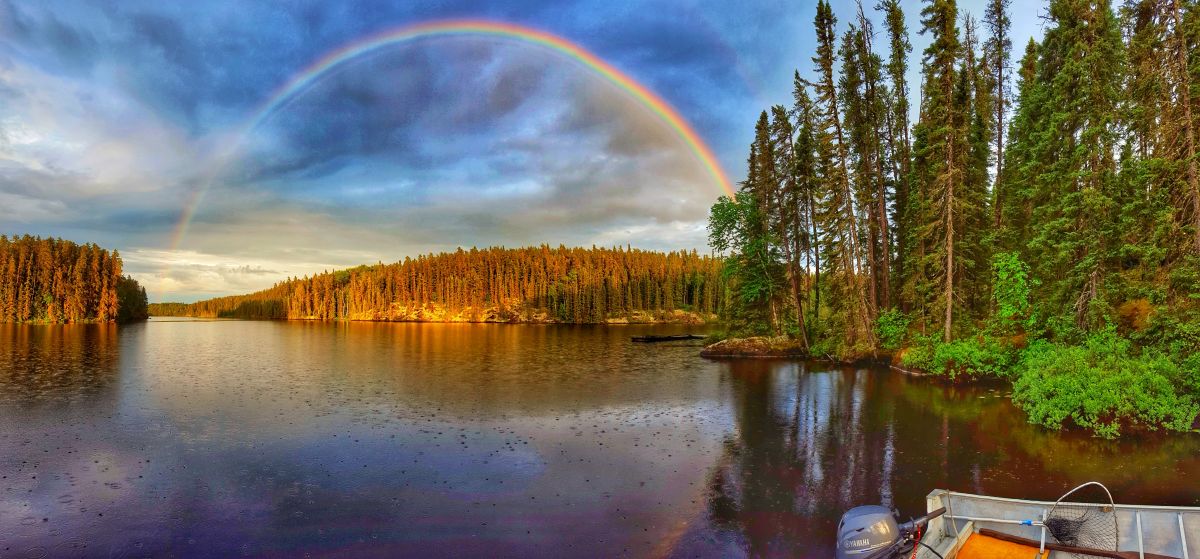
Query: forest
57, 281
538, 284
1039, 221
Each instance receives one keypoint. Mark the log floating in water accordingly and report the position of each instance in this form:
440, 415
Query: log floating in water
648, 339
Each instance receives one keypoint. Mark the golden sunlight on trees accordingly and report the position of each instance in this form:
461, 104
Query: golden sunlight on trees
58, 281
539, 284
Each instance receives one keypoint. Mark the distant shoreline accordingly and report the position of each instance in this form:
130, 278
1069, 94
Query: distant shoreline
663, 317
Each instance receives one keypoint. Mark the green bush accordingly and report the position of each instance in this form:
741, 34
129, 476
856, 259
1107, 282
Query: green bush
1102, 386
1190, 374
1177, 333
981, 356
1011, 292
822, 343
891, 328
919, 355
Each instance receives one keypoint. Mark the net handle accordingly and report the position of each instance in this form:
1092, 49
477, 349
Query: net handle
1111, 503
1081, 486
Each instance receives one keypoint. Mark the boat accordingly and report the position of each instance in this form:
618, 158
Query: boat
1142, 530
648, 339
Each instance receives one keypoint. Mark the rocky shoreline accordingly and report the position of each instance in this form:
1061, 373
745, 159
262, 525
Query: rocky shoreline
755, 347
783, 347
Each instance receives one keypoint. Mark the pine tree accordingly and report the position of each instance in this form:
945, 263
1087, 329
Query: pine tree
863, 98
974, 260
1015, 192
898, 134
1184, 122
1080, 72
996, 53
55, 280
942, 121
840, 214
809, 193
790, 228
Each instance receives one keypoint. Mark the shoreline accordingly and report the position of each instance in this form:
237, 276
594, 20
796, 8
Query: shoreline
764, 347
691, 320
783, 348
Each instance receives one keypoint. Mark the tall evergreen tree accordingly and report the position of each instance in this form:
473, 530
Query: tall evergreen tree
941, 118
809, 184
766, 192
1080, 75
790, 230
1144, 165
863, 97
840, 215
1015, 192
898, 133
974, 261
996, 53
56, 281
1185, 121
1093, 201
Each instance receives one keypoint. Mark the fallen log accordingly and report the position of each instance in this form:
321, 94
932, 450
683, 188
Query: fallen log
650, 339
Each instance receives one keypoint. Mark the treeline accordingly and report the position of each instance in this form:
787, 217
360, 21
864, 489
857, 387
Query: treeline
58, 281
561, 284
1065, 212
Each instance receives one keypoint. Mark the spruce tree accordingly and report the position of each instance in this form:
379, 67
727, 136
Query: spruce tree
1144, 163
943, 123
996, 52
864, 98
1015, 192
790, 230
898, 134
1080, 71
974, 261
1184, 121
840, 217
808, 182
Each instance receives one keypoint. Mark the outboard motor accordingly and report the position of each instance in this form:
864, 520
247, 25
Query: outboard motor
872, 532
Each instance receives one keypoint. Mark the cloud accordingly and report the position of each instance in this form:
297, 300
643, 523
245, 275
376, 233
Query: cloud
19, 208
84, 140
190, 275
114, 117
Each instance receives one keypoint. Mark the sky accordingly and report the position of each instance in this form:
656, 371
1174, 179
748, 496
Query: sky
116, 118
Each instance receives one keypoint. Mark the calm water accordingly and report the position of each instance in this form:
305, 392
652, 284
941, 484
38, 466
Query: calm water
199, 438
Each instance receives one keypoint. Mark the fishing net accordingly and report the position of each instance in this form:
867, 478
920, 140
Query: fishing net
1084, 517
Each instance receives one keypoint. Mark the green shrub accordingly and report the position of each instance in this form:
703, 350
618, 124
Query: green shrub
919, 355
1062, 329
981, 356
1102, 386
1190, 374
1011, 292
1177, 333
892, 328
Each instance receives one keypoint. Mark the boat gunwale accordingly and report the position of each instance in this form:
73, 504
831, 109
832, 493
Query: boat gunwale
944, 492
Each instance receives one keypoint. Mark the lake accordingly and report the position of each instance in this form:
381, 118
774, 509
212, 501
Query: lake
194, 438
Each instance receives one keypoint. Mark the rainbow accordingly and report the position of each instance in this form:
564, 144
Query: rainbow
476, 27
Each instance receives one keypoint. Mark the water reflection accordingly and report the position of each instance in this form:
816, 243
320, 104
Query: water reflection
284, 438
809, 442
56, 364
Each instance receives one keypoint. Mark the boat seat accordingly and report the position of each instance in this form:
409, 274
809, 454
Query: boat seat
983, 547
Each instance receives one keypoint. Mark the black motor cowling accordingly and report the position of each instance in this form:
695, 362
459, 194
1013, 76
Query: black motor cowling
864, 531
